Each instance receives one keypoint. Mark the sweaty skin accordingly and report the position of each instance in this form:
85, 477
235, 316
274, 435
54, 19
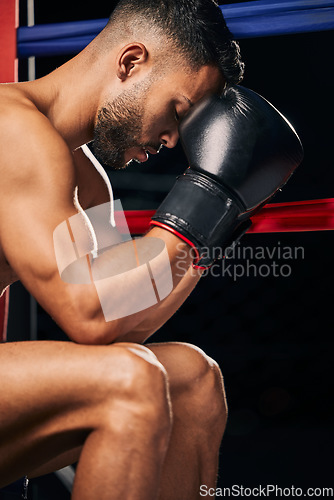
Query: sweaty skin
143, 422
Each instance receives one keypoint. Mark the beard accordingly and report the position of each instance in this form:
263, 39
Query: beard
119, 126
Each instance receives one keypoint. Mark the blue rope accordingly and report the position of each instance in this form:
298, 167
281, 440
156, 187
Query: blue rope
252, 19
265, 7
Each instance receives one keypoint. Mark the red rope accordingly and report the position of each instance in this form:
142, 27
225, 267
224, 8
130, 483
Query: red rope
295, 216
311, 215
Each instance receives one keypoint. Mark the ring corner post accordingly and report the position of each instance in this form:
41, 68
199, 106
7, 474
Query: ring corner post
8, 73
8, 25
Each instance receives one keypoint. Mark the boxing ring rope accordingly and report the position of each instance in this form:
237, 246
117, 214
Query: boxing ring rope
293, 216
251, 19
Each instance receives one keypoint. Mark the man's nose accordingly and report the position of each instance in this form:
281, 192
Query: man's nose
169, 138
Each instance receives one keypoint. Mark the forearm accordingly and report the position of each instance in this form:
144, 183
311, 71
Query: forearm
165, 309
131, 282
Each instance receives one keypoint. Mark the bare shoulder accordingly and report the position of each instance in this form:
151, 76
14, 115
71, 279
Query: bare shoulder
31, 148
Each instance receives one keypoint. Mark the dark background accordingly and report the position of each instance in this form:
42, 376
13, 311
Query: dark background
272, 336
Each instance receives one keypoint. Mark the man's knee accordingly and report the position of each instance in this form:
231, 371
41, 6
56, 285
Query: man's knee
133, 387
205, 376
198, 378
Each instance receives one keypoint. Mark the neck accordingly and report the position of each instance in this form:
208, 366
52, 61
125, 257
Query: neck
70, 97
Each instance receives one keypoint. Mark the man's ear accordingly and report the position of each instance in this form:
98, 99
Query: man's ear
129, 56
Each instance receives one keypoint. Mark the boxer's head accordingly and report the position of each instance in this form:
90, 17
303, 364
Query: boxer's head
168, 55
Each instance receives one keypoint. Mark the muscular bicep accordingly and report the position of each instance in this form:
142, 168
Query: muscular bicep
37, 194
45, 239
29, 216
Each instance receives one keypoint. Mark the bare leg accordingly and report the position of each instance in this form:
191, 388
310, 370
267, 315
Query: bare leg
200, 413
112, 400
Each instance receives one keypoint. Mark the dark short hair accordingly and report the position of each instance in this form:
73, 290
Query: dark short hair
197, 29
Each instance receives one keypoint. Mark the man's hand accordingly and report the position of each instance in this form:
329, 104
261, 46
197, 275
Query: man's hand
241, 150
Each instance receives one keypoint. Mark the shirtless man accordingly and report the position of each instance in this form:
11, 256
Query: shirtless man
142, 422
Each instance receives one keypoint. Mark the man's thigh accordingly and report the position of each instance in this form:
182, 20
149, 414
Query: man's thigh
47, 391
68, 382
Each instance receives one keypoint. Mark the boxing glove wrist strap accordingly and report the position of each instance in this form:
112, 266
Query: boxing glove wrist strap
204, 214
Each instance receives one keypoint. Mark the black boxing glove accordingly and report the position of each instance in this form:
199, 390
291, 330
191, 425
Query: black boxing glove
241, 150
